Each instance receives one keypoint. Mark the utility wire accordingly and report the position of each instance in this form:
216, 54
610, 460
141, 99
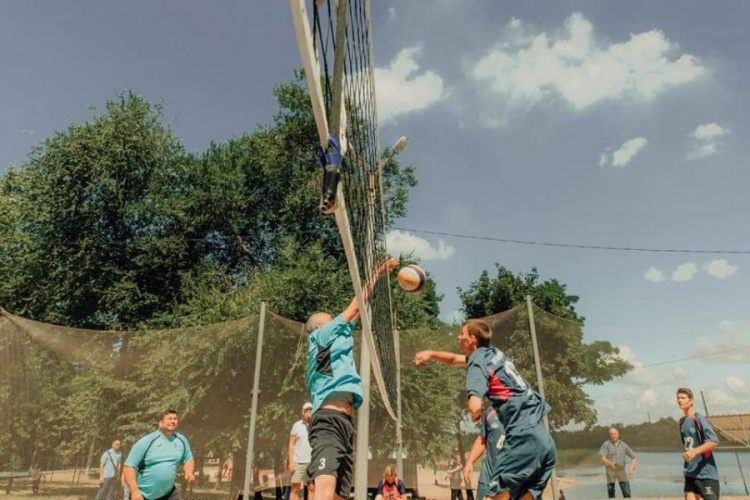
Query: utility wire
734, 349
571, 245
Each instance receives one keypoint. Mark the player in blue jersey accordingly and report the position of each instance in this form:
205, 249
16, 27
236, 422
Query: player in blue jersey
490, 431
527, 455
699, 439
336, 391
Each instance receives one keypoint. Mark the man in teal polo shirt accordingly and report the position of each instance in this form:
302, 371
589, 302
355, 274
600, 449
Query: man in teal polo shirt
151, 467
109, 472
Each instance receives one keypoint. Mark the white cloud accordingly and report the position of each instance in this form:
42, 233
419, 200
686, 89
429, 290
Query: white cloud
650, 398
720, 268
649, 376
402, 242
684, 272
653, 274
731, 345
454, 317
579, 69
707, 140
717, 397
736, 385
625, 154
400, 90
604, 158
391, 13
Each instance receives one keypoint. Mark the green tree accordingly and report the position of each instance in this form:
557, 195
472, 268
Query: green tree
568, 363
106, 219
112, 224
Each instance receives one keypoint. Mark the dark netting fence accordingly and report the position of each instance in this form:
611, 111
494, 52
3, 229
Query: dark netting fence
66, 393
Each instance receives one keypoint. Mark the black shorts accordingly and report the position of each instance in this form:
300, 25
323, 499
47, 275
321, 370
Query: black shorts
331, 437
706, 488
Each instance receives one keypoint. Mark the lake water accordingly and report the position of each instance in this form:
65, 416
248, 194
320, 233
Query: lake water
657, 474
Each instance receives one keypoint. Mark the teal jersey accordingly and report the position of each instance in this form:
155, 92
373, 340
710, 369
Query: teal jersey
330, 363
111, 461
161, 455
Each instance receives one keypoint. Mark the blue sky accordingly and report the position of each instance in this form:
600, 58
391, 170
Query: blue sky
596, 123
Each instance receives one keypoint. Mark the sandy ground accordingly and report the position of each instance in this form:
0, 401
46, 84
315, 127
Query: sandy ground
426, 478
441, 491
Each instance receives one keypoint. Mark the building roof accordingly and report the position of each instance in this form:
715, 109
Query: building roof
735, 428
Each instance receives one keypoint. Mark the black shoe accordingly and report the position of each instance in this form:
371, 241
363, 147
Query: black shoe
329, 201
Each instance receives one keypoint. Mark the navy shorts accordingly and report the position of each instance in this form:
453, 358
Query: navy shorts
524, 463
331, 438
706, 488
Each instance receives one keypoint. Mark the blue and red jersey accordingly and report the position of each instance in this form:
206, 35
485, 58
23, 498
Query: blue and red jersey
694, 431
491, 375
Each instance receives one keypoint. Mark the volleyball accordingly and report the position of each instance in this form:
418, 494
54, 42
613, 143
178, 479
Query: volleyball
412, 278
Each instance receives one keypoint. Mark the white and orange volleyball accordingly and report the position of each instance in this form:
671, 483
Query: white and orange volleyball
412, 278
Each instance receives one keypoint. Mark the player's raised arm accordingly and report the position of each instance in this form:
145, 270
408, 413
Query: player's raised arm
442, 357
351, 313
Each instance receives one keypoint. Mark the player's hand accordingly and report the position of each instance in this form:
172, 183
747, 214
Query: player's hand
467, 472
101, 481
136, 495
631, 472
388, 266
189, 478
291, 467
422, 358
689, 455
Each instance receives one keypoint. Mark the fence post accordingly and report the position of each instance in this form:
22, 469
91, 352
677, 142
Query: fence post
539, 378
254, 406
399, 414
362, 446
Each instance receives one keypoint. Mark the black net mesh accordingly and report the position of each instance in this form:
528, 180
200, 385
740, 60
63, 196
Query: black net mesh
360, 178
66, 393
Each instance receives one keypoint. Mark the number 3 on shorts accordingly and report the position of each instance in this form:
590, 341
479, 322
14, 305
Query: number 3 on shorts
322, 464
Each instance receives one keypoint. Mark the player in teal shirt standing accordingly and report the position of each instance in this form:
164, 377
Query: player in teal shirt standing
151, 466
336, 391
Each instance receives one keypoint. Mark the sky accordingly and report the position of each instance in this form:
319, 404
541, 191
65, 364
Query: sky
596, 123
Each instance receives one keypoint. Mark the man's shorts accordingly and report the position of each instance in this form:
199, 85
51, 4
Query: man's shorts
174, 494
332, 440
706, 488
300, 473
524, 463
617, 474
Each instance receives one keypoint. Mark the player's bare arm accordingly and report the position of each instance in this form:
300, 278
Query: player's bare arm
477, 450
351, 313
694, 452
474, 404
442, 357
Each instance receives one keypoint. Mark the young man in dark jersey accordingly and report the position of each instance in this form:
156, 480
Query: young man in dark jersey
526, 455
336, 391
699, 439
490, 431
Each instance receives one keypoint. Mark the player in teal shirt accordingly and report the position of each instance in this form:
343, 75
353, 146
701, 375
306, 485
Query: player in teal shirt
336, 391
151, 466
